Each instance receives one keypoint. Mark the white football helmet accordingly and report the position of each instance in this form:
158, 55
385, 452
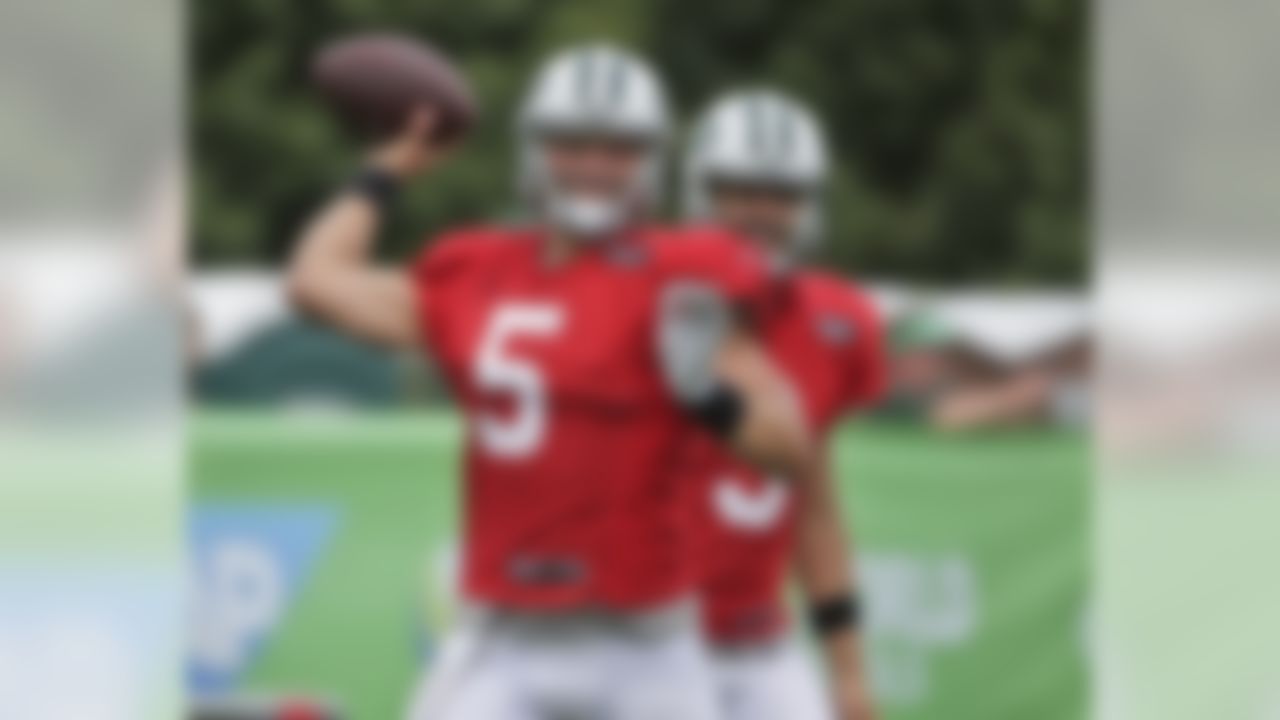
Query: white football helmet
759, 136
595, 89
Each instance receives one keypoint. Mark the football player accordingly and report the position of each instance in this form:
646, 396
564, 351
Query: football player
588, 349
757, 162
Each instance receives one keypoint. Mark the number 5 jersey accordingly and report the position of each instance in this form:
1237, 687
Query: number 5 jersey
572, 492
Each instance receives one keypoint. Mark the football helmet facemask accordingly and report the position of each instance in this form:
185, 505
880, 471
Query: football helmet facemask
761, 139
595, 91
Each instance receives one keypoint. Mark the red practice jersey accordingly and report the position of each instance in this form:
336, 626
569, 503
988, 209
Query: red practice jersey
825, 336
570, 494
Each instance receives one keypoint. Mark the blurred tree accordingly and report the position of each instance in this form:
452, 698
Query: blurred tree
959, 128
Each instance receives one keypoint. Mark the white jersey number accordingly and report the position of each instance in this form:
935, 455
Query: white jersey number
496, 370
751, 511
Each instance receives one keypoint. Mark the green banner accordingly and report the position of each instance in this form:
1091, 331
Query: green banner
972, 550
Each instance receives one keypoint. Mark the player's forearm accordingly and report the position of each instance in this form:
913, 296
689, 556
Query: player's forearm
771, 431
772, 436
842, 653
825, 571
824, 564
339, 239
850, 686
723, 377
333, 277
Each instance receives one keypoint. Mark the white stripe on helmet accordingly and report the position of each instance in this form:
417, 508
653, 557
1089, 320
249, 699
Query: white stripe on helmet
597, 89
757, 136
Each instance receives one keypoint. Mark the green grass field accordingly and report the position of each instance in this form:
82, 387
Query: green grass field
1010, 508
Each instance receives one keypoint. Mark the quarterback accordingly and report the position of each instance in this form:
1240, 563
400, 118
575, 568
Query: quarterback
590, 351
757, 163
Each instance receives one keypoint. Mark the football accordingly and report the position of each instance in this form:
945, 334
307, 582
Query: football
373, 81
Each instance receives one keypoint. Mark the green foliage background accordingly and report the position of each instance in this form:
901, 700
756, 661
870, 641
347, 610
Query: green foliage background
960, 127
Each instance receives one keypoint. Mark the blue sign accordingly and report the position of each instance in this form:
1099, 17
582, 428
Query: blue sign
248, 564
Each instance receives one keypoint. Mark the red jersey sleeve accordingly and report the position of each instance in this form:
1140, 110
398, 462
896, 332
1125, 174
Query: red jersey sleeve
867, 361
719, 258
438, 272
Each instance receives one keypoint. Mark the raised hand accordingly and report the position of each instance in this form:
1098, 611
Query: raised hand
411, 151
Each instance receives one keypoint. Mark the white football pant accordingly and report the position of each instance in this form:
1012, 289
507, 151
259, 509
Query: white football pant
504, 665
769, 681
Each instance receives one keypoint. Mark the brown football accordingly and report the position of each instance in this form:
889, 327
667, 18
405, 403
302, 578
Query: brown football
373, 81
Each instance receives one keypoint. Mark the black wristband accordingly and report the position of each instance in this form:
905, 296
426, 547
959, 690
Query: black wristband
836, 614
721, 411
377, 186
